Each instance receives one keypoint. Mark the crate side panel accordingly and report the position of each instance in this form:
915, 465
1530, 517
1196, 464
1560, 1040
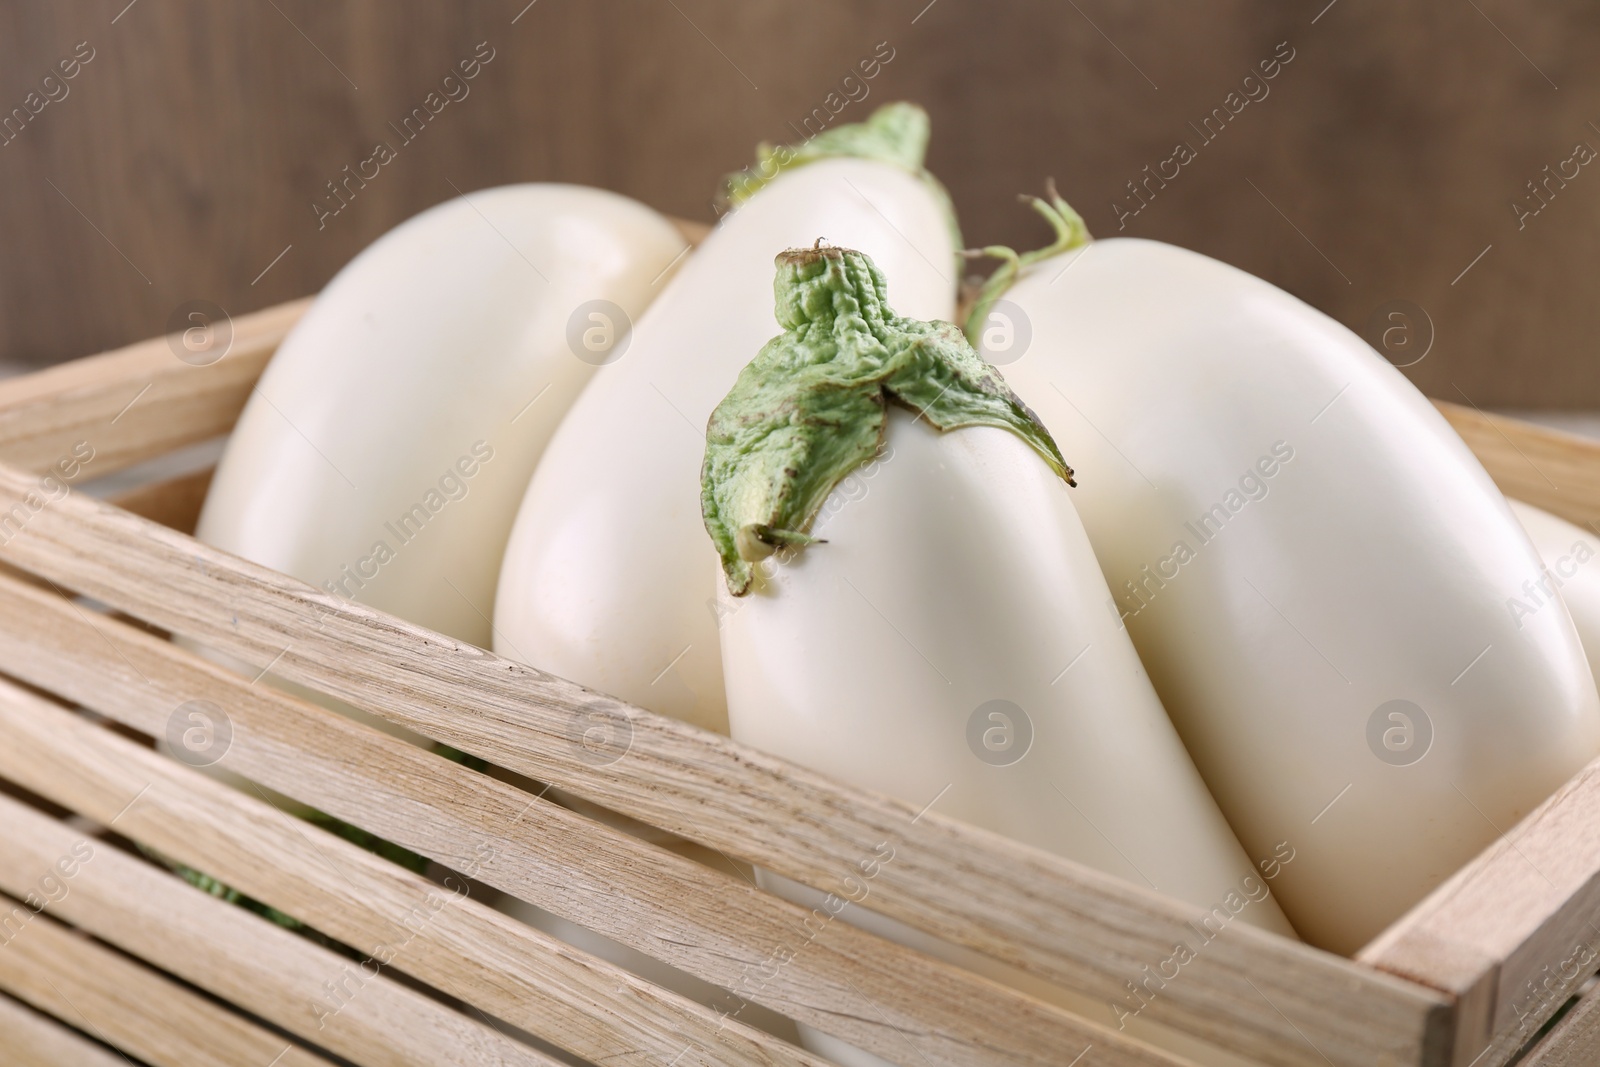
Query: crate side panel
349, 1008
1087, 931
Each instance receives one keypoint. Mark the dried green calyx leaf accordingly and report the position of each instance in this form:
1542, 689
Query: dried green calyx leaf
812, 406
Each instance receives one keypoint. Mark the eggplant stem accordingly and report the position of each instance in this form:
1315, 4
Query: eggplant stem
1070, 231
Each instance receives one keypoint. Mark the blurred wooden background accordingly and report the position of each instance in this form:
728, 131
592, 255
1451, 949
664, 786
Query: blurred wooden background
186, 155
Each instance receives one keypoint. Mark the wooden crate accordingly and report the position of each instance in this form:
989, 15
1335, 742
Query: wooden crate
125, 953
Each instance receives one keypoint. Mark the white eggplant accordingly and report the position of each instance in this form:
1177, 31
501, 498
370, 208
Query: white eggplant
1313, 567
1570, 575
953, 632
385, 450
949, 644
604, 581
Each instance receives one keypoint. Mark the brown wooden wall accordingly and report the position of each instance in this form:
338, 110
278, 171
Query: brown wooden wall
187, 153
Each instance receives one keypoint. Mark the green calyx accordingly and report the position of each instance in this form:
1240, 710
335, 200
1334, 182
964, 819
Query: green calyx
812, 406
1070, 231
896, 134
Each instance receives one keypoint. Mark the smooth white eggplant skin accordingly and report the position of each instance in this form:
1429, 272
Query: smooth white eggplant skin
604, 581
1571, 575
956, 573
386, 448
1356, 554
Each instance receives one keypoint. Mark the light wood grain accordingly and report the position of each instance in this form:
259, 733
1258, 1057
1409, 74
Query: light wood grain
137, 402
712, 924
1557, 471
435, 933
1574, 1041
174, 502
34, 1040
326, 999
130, 1006
1498, 932
1089, 932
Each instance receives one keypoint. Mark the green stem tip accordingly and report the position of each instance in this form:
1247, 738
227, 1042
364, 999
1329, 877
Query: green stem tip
1070, 230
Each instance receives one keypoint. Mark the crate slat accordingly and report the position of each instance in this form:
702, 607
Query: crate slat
1088, 931
1575, 1040
130, 1006
32, 1039
136, 402
234, 954
669, 907
1496, 931
1550, 469
434, 933
364, 777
